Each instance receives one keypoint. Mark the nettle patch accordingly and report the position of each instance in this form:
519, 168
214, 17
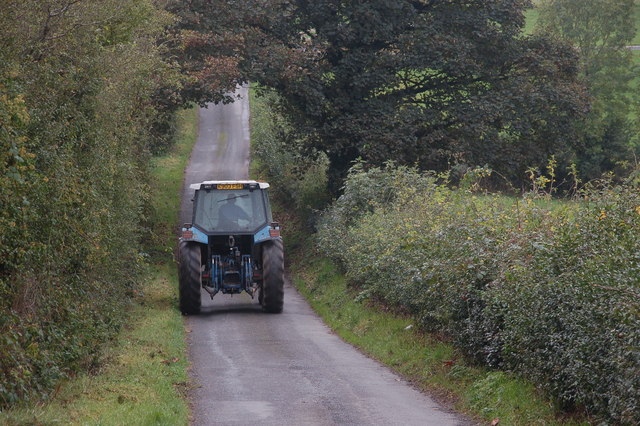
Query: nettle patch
547, 289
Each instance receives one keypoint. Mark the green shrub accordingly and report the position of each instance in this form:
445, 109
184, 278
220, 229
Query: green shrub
363, 192
76, 118
298, 179
547, 290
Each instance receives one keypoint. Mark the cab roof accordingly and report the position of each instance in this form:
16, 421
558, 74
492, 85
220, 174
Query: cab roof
263, 185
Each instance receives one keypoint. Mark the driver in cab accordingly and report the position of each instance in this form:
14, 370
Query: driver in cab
230, 212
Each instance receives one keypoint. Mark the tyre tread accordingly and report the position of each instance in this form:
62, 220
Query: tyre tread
189, 278
273, 276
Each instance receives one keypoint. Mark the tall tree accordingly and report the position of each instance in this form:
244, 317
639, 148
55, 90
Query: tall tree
427, 82
601, 31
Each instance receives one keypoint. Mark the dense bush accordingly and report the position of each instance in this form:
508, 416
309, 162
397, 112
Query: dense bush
299, 179
77, 113
547, 289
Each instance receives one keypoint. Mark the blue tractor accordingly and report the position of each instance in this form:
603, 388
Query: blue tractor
232, 246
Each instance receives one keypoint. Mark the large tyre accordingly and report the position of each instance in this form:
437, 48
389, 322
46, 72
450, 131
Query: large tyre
273, 276
190, 277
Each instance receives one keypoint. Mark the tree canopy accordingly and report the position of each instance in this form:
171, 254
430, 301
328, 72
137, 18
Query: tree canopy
600, 30
431, 83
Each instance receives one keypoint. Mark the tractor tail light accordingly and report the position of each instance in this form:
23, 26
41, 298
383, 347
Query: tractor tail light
187, 235
274, 231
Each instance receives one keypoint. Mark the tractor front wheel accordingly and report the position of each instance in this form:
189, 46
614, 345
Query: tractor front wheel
272, 291
190, 277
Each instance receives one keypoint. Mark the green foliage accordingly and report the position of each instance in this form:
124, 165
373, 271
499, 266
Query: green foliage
298, 178
77, 87
601, 30
466, 92
209, 41
597, 27
548, 293
427, 83
363, 193
636, 17
136, 384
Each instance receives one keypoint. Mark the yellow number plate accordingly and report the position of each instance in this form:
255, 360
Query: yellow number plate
230, 186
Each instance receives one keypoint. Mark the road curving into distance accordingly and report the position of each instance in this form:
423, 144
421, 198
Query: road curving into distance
249, 367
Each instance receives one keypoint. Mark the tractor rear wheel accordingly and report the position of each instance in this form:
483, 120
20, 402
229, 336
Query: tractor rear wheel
273, 276
190, 277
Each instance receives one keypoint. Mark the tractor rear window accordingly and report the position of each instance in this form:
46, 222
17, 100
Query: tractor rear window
230, 211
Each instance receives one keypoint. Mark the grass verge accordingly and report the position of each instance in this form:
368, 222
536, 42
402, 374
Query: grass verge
144, 374
167, 176
427, 361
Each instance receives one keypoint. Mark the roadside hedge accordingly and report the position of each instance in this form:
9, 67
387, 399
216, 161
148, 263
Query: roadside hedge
547, 289
298, 178
77, 118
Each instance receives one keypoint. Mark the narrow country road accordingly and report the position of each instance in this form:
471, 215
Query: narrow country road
249, 367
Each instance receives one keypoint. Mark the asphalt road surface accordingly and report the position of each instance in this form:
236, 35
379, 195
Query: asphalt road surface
249, 367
